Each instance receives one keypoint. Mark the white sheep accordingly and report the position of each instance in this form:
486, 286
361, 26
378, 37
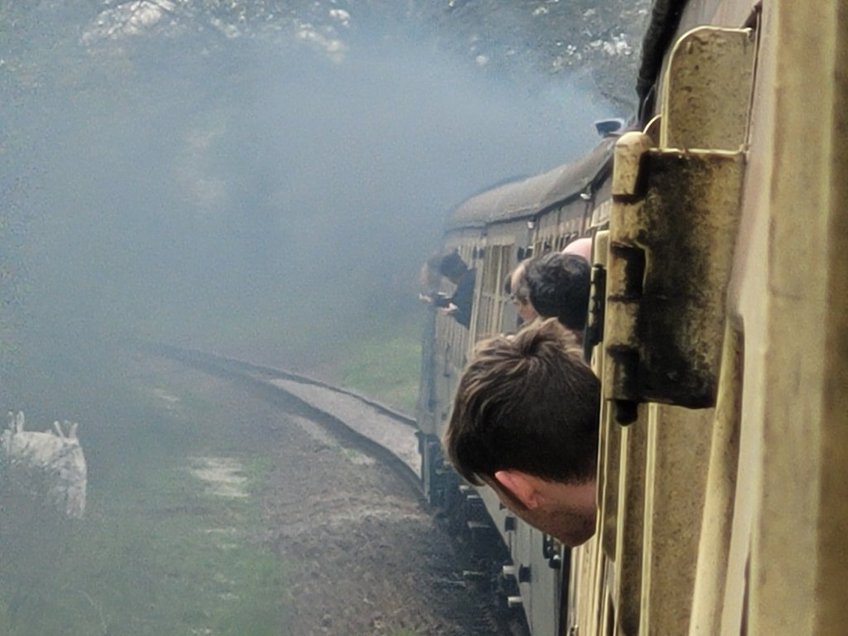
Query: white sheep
55, 457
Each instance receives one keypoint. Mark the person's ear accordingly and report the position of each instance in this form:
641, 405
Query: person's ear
520, 485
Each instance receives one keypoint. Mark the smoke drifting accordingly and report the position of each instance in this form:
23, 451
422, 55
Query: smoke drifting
258, 194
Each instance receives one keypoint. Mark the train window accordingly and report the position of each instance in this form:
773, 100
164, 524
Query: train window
492, 296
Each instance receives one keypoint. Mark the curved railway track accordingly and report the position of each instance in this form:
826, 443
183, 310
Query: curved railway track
386, 435
383, 433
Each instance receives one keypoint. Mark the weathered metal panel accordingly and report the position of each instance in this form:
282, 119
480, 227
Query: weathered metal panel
707, 93
670, 254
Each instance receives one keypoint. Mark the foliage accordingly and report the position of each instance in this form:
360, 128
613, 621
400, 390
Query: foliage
82, 86
599, 38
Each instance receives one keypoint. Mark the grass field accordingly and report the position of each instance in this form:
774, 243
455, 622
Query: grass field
155, 554
379, 357
386, 368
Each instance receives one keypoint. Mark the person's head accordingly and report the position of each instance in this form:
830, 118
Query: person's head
581, 247
525, 422
520, 294
558, 286
452, 266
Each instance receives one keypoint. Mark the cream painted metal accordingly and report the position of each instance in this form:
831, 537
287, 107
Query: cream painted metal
796, 424
732, 517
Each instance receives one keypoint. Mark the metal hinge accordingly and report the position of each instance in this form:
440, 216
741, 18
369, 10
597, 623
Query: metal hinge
595, 321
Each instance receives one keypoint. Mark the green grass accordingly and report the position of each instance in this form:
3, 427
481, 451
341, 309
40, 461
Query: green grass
154, 555
383, 362
386, 368
380, 358
147, 559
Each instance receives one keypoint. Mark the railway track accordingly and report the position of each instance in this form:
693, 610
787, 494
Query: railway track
386, 435
381, 432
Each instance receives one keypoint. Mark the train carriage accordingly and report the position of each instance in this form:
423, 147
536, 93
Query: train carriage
493, 231
720, 232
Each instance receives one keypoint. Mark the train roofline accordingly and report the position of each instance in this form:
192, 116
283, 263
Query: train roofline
534, 195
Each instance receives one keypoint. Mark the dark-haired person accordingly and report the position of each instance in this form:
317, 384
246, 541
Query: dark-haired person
459, 304
452, 267
558, 286
525, 423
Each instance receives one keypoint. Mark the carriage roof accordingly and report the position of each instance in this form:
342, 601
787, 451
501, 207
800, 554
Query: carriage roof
534, 195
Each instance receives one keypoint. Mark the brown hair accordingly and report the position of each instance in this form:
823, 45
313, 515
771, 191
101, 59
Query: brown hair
527, 402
